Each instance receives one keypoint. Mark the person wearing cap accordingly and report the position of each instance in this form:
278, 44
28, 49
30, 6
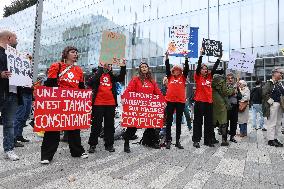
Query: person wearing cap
72, 78
143, 83
175, 98
272, 93
243, 115
104, 104
203, 106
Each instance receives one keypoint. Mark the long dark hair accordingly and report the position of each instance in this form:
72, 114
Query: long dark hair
147, 76
66, 51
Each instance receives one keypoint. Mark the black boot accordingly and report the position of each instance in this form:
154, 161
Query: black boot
126, 146
178, 145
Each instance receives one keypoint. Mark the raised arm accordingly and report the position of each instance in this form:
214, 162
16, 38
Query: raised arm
167, 63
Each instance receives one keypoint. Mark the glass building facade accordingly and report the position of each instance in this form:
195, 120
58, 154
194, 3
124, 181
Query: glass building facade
253, 26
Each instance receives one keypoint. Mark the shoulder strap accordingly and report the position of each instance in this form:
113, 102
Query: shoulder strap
64, 71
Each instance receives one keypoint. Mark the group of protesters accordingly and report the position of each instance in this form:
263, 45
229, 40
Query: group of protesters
220, 99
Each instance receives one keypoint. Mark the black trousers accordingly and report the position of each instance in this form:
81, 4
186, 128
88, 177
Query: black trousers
171, 107
100, 114
233, 119
203, 109
51, 141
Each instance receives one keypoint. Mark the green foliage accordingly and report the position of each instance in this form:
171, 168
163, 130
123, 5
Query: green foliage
17, 6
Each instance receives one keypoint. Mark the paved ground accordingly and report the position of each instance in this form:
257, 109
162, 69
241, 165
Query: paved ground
247, 164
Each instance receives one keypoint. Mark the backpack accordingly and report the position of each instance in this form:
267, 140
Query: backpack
150, 137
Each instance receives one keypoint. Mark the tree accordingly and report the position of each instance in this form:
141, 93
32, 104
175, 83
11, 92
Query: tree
17, 6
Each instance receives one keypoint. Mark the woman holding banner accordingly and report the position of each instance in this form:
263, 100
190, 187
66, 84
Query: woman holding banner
143, 83
64, 74
175, 98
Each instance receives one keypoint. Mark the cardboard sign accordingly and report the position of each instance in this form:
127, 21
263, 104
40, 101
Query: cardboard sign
112, 48
179, 39
20, 67
142, 110
241, 62
59, 109
212, 47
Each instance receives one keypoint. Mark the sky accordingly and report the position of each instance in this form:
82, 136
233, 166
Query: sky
3, 3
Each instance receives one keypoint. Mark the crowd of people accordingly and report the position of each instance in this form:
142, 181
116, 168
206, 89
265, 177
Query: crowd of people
221, 100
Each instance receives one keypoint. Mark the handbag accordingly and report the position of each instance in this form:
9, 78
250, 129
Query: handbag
282, 101
243, 106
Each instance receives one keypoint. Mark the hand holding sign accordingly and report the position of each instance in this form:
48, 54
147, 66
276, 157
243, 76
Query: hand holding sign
5, 74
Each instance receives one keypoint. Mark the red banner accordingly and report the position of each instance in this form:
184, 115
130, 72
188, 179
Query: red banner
59, 109
142, 110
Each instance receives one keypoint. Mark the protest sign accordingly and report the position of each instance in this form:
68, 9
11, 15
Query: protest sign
183, 40
241, 62
112, 48
212, 47
59, 109
179, 39
142, 110
20, 67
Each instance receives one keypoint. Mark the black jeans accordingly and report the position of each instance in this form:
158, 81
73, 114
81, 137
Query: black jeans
171, 107
203, 109
51, 141
100, 114
233, 119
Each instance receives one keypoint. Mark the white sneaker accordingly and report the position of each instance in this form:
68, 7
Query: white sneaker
84, 156
11, 155
44, 161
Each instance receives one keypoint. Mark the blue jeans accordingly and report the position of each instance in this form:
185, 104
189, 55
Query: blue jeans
22, 114
8, 110
257, 108
243, 128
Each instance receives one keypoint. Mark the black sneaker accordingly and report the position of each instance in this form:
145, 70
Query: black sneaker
92, 149
196, 145
22, 139
264, 129
272, 143
279, 144
179, 146
110, 148
17, 144
209, 144
233, 140
225, 143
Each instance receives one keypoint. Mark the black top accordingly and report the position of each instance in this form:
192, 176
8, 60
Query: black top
256, 95
277, 91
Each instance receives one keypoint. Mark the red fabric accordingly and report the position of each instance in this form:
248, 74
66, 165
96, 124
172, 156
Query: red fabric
176, 89
135, 85
203, 88
70, 79
104, 95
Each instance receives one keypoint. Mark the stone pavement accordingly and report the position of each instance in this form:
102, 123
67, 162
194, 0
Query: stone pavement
247, 164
